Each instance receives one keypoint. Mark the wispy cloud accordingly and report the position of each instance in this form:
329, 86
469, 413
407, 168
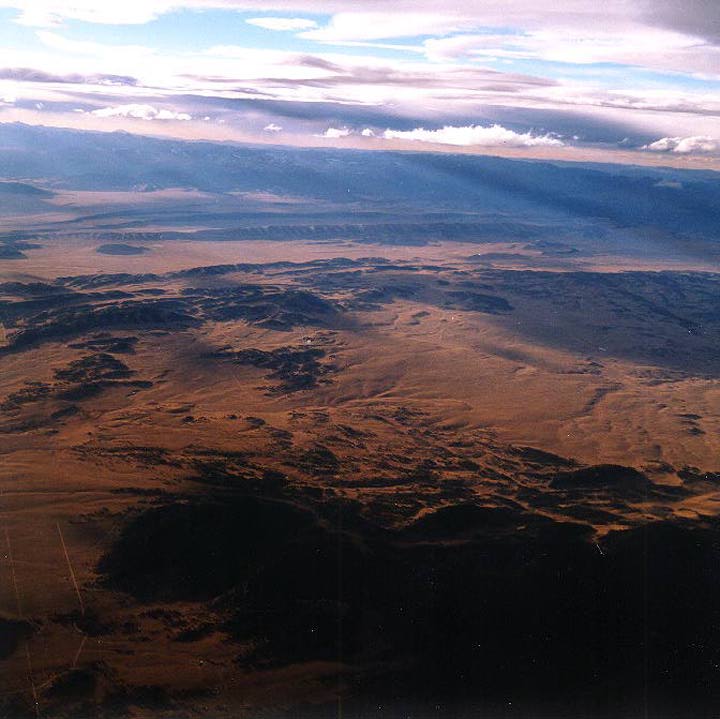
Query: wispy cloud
50, 13
646, 47
361, 26
59, 42
284, 24
28, 74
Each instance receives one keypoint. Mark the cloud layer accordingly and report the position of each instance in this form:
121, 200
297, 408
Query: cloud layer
641, 76
284, 24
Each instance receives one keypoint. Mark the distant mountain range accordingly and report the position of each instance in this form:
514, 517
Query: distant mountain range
662, 200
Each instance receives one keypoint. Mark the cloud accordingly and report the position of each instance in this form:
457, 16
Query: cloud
26, 74
141, 112
685, 145
85, 47
654, 48
282, 23
700, 18
492, 136
336, 132
671, 35
695, 17
50, 13
446, 73
360, 26
272, 127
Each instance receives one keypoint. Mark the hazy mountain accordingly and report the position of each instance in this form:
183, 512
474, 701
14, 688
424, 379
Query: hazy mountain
675, 201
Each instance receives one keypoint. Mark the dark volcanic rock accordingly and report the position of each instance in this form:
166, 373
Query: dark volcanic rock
286, 580
477, 302
471, 603
100, 366
200, 550
541, 457
319, 461
296, 368
30, 289
602, 476
463, 520
64, 322
265, 306
12, 632
82, 379
105, 280
113, 345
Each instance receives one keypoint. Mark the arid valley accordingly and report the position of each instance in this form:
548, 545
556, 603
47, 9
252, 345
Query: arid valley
261, 458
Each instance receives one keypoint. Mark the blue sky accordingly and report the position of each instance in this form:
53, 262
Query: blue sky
498, 75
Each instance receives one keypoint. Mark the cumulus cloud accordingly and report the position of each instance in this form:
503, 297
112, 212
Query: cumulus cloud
685, 145
492, 136
272, 127
282, 23
336, 132
368, 132
140, 112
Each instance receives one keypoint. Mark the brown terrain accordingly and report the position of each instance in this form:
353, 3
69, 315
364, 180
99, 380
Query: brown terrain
298, 434
289, 479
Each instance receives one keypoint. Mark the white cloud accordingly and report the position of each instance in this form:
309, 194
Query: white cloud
685, 145
141, 112
413, 88
85, 47
694, 17
358, 26
171, 115
336, 132
49, 13
272, 127
282, 23
492, 136
444, 81
634, 45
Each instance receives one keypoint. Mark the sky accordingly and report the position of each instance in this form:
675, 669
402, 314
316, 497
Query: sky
577, 78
